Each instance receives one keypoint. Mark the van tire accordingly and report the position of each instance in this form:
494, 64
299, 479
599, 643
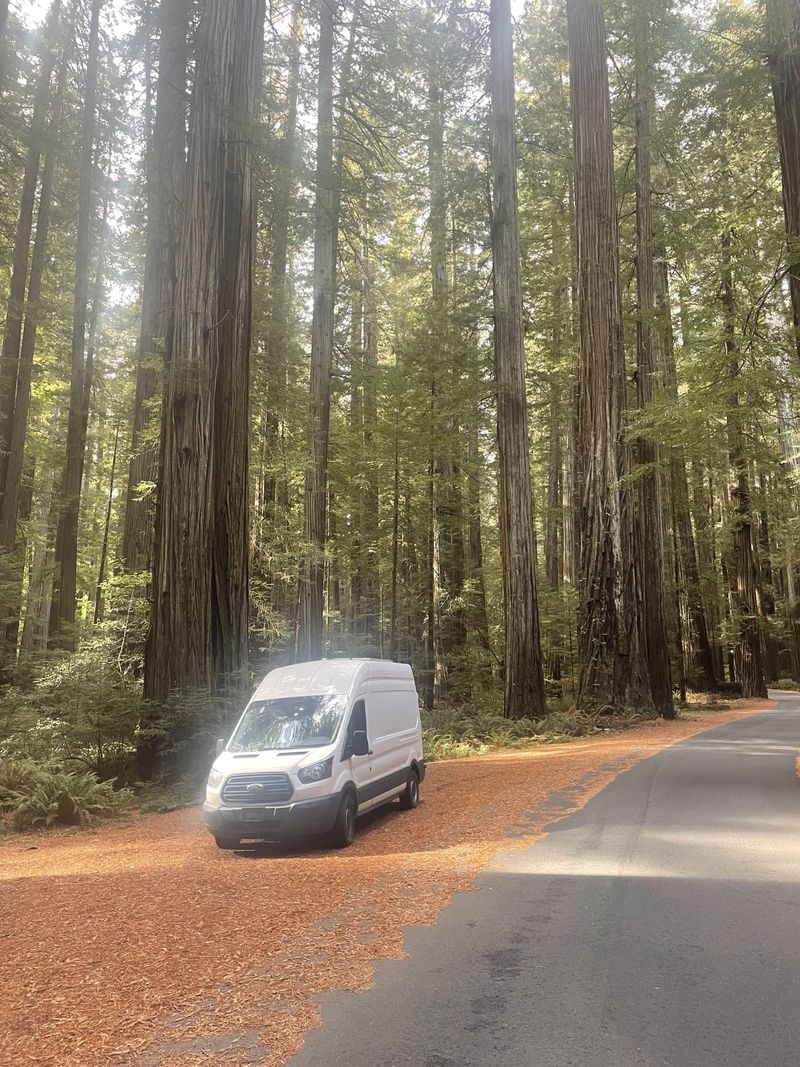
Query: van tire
344, 829
227, 842
409, 799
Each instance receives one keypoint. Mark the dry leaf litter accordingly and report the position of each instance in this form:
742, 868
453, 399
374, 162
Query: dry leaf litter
142, 945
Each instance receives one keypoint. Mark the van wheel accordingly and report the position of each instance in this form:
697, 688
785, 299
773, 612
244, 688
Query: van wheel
344, 829
410, 798
228, 842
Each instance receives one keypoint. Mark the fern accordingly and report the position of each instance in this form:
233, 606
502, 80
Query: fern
34, 795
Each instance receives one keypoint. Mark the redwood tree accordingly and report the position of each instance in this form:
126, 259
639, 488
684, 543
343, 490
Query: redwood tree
524, 682
62, 613
165, 162
612, 664
648, 378
312, 577
198, 625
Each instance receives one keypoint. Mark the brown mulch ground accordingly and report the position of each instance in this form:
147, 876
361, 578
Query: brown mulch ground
142, 945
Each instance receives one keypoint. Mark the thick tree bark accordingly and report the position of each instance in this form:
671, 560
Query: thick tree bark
612, 663
12, 332
650, 520
783, 32
312, 581
166, 164
62, 610
198, 625
524, 681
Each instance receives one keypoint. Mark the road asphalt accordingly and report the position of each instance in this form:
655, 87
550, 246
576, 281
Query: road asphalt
658, 925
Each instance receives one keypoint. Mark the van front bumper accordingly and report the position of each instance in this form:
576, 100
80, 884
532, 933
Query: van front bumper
274, 821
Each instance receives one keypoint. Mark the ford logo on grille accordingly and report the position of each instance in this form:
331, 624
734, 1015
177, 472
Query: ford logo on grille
256, 787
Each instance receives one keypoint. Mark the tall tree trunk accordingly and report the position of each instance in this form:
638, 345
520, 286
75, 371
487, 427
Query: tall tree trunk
650, 518
787, 438
12, 332
11, 599
62, 611
40, 577
277, 335
101, 574
783, 32
310, 635
793, 611
766, 572
312, 583
686, 551
96, 303
554, 526
612, 663
448, 495
198, 625
475, 571
524, 681
166, 164
395, 545
708, 568
369, 561
748, 651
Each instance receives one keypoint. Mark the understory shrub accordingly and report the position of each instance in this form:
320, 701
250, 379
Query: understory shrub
785, 683
454, 732
47, 794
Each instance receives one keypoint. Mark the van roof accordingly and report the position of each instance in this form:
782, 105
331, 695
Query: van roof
334, 676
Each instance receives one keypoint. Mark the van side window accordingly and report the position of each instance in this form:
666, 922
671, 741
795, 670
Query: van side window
358, 721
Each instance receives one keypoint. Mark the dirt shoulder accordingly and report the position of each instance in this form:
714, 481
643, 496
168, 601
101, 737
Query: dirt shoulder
142, 945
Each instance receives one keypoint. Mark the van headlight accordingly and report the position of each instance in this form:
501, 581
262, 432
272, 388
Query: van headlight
215, 779
317, 772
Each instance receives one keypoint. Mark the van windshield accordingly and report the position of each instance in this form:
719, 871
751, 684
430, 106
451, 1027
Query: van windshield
288, 722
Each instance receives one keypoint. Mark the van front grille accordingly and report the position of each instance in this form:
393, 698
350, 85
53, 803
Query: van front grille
257, 789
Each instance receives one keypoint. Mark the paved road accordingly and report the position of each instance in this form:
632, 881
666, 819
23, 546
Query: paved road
659, 925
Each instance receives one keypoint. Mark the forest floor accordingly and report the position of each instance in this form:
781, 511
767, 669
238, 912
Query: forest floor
141, 945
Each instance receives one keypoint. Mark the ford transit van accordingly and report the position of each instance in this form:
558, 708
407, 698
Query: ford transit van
318, 745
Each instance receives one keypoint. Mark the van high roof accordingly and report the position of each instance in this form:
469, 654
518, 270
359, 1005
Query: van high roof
334, 676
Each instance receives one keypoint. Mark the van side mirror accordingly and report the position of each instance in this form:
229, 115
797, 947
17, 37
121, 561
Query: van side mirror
360, 743
220, 745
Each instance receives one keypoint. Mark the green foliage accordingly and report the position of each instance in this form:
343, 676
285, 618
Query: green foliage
80, 707
36, 795
788, 685
453, 733
411, 395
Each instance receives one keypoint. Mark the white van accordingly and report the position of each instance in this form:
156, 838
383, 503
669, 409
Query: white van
318, 745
